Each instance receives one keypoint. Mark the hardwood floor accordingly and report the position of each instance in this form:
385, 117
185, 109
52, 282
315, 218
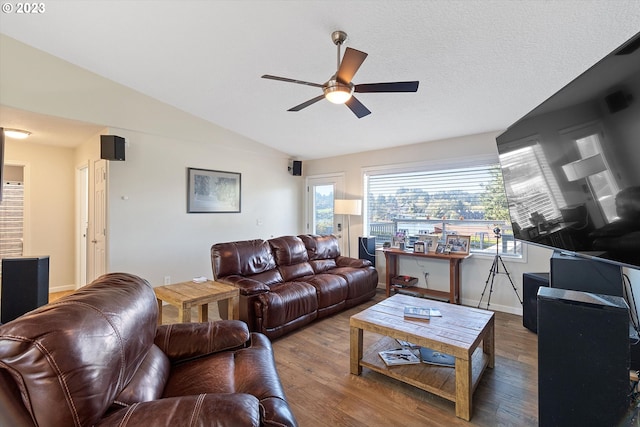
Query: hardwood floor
313, 363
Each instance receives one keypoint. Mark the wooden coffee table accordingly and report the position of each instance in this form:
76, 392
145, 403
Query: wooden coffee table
458, 332
190, 294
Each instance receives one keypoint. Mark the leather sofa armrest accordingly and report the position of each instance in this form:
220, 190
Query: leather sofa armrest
245, 285
184, 341
343, 261
205, 409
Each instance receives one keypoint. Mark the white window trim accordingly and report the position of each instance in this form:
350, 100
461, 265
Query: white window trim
439, 164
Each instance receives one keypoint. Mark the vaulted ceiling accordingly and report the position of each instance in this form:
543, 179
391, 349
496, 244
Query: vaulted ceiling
482, 64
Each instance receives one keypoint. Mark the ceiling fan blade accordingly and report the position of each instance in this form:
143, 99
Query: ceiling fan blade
284, 79
357, 107
351, 61
306, 103
387, 87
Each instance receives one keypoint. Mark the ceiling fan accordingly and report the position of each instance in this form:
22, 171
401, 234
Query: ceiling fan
339, 88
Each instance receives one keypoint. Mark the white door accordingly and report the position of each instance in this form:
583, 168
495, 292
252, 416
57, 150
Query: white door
321, 193
82, 225
97, 265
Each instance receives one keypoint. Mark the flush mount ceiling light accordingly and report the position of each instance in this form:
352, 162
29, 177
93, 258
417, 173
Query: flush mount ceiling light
16, 133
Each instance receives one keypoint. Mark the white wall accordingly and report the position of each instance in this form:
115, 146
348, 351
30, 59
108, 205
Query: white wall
150, 233
475, 270
49, 206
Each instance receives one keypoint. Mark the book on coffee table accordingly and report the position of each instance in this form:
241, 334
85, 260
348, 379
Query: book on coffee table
421, 313
399, 356
436, 358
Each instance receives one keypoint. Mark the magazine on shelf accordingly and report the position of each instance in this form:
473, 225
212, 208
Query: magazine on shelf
421, 313
399, 356
407, 344
436, 358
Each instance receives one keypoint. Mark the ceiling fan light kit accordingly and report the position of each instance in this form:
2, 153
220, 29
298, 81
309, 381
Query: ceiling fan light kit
339, 88
337, 92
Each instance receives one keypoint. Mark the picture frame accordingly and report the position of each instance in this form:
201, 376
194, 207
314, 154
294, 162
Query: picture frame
213, 191
459, 244
419, 247
431, 242
440, 248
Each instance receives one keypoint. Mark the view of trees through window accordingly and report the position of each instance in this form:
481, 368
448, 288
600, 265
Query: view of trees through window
468, 201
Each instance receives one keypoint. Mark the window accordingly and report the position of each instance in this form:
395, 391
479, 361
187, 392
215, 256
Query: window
466, 200
11, 219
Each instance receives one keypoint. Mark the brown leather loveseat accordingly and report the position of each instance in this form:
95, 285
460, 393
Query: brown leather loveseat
287, 282
98, 357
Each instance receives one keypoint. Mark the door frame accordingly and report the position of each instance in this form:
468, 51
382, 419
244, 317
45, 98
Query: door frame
82, 223
335, 179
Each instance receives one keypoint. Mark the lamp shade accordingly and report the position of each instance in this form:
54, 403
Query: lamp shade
584, 168
347, 207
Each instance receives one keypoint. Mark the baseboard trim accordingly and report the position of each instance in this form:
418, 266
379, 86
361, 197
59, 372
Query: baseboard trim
62, 288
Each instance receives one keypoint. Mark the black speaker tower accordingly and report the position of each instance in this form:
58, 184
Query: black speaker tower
25, 286
583, 358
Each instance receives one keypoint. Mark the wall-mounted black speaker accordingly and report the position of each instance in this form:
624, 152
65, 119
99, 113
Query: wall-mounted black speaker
111, 147
295, 167
25, 285
617, 101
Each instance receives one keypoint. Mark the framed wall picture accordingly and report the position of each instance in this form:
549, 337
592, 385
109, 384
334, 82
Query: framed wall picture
459, 244
211, 191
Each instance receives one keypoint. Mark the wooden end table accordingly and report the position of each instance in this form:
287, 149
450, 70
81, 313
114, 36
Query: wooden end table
458, 332
185, 295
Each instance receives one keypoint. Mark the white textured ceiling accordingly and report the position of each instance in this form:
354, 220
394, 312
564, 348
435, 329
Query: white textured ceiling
482, 64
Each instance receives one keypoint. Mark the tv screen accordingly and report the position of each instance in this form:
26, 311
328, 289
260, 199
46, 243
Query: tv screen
571, 167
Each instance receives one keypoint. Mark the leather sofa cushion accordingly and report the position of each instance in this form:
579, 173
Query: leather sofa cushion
321, 247
323, 265
244, 258
360, 280
148, 382
184, 341
287, 302
331, 289
200, 410
81, 351
288, 250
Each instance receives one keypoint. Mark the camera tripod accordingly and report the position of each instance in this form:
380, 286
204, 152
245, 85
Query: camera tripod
495, 269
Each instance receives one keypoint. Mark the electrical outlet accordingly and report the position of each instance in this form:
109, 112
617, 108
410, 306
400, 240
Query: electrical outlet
167, 280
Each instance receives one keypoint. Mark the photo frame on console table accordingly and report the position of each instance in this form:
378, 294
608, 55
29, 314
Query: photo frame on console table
458, 244
212, 191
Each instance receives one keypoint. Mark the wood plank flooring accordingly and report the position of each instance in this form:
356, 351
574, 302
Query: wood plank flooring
313, 363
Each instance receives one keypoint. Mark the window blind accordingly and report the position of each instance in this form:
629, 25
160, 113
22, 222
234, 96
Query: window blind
11, 219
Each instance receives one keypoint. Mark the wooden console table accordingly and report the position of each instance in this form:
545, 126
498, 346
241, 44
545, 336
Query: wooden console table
392, 257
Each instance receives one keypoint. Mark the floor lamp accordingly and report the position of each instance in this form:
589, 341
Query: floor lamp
348, 208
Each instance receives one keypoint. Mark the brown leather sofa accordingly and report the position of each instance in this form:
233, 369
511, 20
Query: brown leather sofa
98, 358
289, 281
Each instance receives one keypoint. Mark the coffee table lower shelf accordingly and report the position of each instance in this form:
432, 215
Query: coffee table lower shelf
438, 380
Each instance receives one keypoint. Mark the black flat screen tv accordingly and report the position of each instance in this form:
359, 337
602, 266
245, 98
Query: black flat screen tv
571, 167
